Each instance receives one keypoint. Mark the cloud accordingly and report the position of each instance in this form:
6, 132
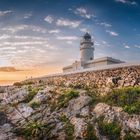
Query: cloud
83, 13
28, 15
4, 13
127, 47
68, 38
127, 2
69, 42
23, 27
22, 43
105, 24
112, 33
8, 69
137, 46
49, 19
4, 36
24, 50
68, 23
54, 31
84, 30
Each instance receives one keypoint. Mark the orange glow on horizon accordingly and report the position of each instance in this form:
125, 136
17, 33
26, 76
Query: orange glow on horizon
11, 77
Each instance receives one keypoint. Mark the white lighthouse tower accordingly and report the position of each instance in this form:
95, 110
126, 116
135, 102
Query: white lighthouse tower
87, 57
86, 48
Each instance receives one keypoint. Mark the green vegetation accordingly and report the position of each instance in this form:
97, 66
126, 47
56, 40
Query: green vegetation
32, 91
20, 84
111, 130
35, 130
63, 118
69, 130
128, 136
90, 135
96, 98
128, 98
34, 105
68, 127
2, 90
64, 98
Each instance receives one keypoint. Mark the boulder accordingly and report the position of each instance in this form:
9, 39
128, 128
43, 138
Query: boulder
78, 106
80, 127
42, 96
19, 113
128, 122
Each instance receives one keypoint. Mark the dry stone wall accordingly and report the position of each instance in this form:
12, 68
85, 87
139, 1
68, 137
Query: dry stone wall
103, 80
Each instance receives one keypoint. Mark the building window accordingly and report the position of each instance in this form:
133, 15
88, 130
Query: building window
91, 58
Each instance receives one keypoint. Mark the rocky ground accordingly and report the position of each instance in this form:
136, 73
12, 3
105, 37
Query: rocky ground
37, 111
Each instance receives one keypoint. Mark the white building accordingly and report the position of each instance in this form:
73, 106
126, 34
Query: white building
87, 57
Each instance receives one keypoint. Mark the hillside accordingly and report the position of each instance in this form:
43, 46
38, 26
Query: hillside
41, 111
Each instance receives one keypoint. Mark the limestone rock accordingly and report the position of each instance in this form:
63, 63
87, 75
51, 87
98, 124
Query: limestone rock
19, 113
6, 132
3, 118
131, 122
17, 96
80, 126
41, 96
76, 105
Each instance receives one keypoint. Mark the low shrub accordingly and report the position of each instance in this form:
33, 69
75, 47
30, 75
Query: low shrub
35, 130
2, 89
127, 97
129, 137
34, 105
134, 108
32, 91
18, 84
63, 99
63, 118
68, 127
90, 134
111, 130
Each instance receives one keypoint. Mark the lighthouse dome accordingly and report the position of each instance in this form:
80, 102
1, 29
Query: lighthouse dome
87, 36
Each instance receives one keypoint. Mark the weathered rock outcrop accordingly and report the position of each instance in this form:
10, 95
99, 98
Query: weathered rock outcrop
60, 112
128, 122
78, 106
103, 80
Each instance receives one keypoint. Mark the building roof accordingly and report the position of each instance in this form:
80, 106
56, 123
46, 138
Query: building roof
105, 59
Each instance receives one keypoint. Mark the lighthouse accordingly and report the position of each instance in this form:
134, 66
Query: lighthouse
86, 48
87, 59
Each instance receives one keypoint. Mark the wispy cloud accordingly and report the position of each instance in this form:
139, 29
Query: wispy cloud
83, 13
4, 13
127, 2
4, 36
8, 69
137, 46
17, 28
54, 31
84, 30
69, 42
28, 15
68, 23
68, 38
127, 47
49, 19
24, 50
105, 24
112, 33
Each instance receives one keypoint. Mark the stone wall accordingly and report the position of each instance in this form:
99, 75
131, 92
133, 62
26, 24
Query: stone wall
102, 79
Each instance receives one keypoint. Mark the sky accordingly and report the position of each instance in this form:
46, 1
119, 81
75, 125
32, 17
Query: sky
45, 34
